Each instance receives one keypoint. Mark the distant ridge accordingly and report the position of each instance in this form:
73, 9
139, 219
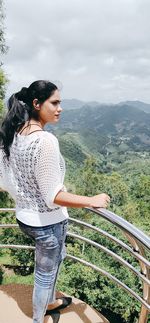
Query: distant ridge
71, 104
105, 128
137, 104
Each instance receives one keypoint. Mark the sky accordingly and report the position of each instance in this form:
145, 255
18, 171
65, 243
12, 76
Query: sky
94, 50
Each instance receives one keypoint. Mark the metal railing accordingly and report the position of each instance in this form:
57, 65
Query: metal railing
139, 243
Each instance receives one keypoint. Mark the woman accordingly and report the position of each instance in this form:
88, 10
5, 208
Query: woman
36, 175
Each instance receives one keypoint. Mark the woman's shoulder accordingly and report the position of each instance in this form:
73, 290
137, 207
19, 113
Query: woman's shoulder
49, 140
49, 136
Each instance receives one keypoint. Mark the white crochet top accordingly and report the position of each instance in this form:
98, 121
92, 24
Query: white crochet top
33, 176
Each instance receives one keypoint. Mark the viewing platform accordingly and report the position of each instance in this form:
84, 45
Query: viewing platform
16, 307
16, 299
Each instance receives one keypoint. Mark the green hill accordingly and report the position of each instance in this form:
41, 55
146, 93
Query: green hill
103, 129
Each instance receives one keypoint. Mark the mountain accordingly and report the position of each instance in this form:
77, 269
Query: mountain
72, 104
105, 119
105, 129
78, 104
137, 104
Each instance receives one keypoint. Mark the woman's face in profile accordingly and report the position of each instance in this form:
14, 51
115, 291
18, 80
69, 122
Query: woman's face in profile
50, 109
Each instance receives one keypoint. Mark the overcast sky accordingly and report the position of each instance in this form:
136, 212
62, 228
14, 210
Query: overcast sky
97, 49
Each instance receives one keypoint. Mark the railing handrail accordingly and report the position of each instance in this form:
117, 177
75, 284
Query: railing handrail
114, 219
123, 224
120, 243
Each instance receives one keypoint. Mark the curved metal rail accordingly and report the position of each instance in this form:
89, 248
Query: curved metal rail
139, 243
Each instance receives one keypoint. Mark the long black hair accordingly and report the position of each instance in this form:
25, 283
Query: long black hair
20, 109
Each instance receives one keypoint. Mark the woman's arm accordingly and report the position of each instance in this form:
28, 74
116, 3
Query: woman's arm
72, 200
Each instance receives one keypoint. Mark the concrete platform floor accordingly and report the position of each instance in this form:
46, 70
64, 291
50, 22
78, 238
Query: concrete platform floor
16, 307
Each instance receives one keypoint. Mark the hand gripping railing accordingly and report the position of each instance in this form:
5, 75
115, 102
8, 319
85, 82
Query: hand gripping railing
139, 242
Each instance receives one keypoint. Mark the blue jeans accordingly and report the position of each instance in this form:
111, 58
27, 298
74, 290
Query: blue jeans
50, 250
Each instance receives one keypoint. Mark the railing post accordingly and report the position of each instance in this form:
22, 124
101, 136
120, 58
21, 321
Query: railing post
143, 316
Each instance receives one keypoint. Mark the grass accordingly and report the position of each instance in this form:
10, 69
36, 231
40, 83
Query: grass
9, 277
17, 279
5, 258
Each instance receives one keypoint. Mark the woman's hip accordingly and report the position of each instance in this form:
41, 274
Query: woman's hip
49, 237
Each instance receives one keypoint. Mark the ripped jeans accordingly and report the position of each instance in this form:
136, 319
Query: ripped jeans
50, 251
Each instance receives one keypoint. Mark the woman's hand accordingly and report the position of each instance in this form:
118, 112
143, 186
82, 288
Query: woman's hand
100, 200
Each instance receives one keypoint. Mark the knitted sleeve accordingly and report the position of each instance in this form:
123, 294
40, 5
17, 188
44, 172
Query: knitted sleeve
47, 170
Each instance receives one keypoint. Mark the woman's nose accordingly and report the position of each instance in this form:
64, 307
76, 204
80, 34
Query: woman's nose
59, 108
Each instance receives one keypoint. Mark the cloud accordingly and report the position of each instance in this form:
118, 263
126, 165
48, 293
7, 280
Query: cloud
98, 49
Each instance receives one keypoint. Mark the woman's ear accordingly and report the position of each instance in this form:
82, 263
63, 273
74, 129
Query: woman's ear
36, 105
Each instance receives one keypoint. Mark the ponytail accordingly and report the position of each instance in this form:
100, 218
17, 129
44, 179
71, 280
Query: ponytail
18, 113
20, 109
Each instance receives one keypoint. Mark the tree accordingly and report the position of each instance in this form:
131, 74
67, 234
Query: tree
4, 198
3, 49
3, 82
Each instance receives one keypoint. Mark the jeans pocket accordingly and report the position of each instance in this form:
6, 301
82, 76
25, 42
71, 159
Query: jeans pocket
65, 228
47, 241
